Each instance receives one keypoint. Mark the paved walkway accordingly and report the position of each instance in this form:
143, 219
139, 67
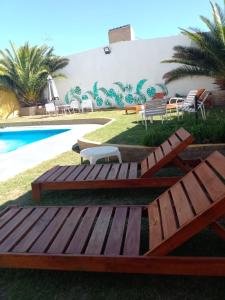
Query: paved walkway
30, 155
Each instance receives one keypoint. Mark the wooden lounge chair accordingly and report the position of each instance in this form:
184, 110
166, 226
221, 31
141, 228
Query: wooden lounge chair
108, 238
116, 175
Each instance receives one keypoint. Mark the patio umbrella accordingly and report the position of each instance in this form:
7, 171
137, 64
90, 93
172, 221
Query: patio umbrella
52, 90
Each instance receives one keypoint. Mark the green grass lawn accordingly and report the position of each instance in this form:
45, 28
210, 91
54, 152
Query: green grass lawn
58, 285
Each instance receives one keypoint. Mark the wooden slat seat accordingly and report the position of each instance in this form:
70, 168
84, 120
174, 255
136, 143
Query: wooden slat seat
123, 175
111, 238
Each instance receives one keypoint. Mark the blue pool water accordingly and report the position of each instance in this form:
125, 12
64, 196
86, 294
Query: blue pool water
12, 140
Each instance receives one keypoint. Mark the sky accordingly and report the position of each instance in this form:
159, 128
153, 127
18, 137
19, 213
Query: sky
72, 26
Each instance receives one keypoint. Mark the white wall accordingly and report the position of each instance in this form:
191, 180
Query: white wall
128, 62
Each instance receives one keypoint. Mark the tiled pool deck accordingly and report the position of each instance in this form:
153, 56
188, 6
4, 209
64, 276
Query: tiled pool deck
30, 155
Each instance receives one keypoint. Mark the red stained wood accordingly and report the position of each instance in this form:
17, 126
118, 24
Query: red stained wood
183, 209
114, 241
98, 235
123, 171
57, 173
84, 173
183, 134
66, 231
166, 147
46, 238
103, 173
21, 230
151, 160
83, 231
47, 174
93, 174
168, 216
217, 161
8, 215
133, 234
75, 173
155, 225
132, 174
214, 186
26, 242
113, 172
158, 154
66, 173
197, 196
174, 141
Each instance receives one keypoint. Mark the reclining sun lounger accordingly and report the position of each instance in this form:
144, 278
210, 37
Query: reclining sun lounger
108, 238
116, 175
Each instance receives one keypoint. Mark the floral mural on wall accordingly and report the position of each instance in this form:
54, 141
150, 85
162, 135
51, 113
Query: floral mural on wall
120, 95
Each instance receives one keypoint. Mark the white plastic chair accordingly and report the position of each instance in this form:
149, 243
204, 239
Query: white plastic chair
87, 104
75, 105
155, 107
51, 108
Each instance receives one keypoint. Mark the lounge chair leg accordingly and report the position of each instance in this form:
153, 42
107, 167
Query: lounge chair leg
36, 192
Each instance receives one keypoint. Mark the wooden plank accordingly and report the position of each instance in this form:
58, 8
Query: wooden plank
46, 175
21, 230
214, 186
98, 235
151, 160
93, 174
183, 134
83, 231
66, 173
173, 265
166, 148
182, 206
84, 173
197, 196
123, 171
155, 225
158, 154
217, 161
144, 166
14, 223
62, 239
167, 214
113, 172
27, 241
75, 173
104, 171
174, 141
8, 215
47, 236
115, 237
133, 234
57, 173
132, 174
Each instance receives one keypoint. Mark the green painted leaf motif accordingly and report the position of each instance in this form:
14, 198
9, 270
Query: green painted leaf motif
111, 93
129, 88
104, 91
66, 99
151, 91
91, 94
129, 98
121, 86
108, 103
95, 89
118, 100
99, 101
77, 90
84, 97
75, 97
140, 86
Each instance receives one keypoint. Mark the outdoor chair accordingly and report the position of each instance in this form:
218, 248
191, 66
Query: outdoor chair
75, 105
50, 108
113, 238
155, 107
119, 175
87, 104
189, 105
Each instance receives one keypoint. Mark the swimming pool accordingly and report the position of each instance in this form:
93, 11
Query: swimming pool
12, 140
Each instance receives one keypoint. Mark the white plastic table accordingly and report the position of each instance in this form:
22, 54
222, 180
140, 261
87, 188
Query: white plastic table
94, 153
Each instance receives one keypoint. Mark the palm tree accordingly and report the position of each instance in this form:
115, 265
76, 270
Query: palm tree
207, 56
25, 70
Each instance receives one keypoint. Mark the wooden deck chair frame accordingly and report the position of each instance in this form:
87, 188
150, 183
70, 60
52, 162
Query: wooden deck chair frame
108, 238
117, 175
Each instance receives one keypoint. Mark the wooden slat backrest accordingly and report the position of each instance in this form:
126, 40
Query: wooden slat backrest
189, 206
166, 152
